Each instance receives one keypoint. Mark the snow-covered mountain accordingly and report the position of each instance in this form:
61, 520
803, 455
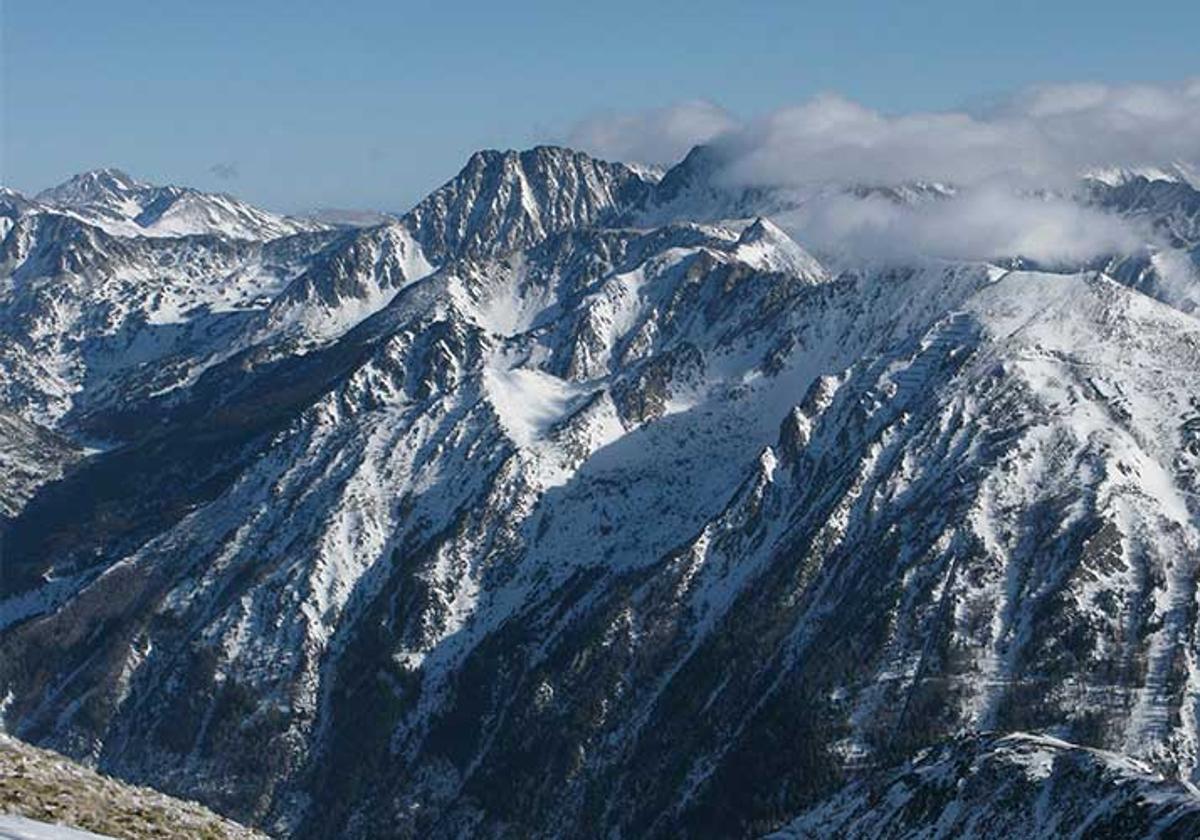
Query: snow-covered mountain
82, 307
1170, 205
505, 201
124, 206
1017, 786
580, 501
1175, 172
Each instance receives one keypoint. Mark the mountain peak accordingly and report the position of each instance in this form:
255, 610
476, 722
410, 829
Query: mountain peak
93, 186
697, 167
759, 230
503, 200
533, 158
765, 245
122, 205
1116, 176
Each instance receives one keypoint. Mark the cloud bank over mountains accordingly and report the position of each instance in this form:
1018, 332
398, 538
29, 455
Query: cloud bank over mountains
1013, 168
658, 136
981, 223
1042, 134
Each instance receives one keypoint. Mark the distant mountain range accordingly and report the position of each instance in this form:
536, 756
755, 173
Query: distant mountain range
112, 201
582, 500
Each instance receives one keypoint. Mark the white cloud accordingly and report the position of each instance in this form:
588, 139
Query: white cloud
1043, 135
1042, 138
982, 223
833, 140
659, 136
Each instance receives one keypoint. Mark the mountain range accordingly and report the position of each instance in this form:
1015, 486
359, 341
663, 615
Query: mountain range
583, 500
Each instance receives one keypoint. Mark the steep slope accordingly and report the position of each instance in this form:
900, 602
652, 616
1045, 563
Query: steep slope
108, 192
1171, 206
700, 188
505, 201
871, 502
1017, 786
694, 189
12, 206
865, 507
345, 284
30, 456
1168, 208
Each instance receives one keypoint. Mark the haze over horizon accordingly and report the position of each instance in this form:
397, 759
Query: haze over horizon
370, 109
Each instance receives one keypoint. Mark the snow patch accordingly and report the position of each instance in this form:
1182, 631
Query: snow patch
528, 402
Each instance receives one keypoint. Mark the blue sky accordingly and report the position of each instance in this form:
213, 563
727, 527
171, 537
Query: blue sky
371, 104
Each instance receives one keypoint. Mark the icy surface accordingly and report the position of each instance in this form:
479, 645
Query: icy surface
19, 828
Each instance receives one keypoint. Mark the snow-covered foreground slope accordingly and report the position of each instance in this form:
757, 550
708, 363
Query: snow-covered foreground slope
542, 511
1018, 786
20, 828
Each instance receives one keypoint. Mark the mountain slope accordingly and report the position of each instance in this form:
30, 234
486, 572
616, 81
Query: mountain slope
1014, 786
504, 201
460, 523
80, 307
30, 456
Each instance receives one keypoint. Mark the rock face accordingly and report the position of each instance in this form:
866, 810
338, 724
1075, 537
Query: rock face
556, 508
30, 456
505, 201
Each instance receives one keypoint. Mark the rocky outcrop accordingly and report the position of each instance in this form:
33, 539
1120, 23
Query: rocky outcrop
42, 786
